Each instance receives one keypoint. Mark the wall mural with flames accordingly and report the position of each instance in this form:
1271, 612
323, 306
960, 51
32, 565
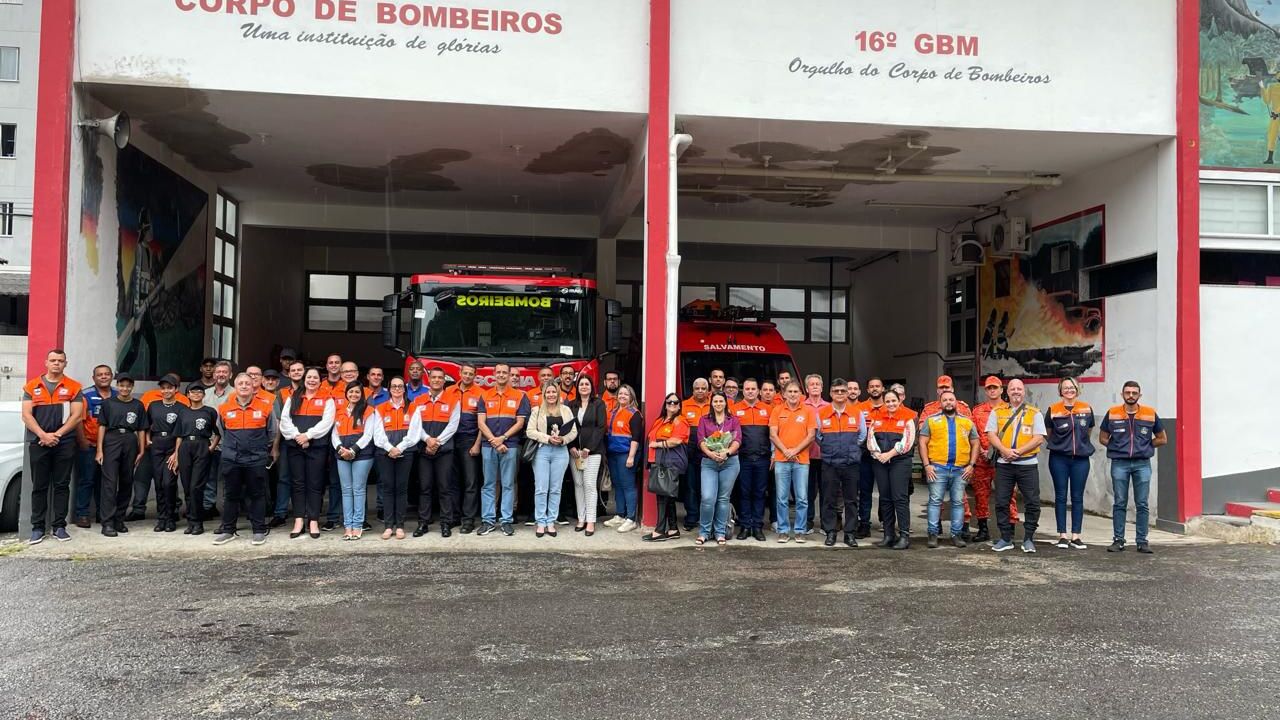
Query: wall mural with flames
1036, 324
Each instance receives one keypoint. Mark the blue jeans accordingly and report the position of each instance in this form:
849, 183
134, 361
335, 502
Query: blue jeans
753, 476
88, 474
1069, 472
791, 477
354, 476
549, 467
949, 481
498, 468
717, 485
284, 488
1125, 471
624, 485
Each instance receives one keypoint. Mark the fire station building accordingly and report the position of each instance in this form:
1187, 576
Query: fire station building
904, 189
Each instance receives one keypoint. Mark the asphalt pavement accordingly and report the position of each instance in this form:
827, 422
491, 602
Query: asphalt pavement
737, 632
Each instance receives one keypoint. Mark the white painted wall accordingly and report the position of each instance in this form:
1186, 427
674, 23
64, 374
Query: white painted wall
20, 28
1139, 194
1110, 65
597, 61
1236, 348
91, 276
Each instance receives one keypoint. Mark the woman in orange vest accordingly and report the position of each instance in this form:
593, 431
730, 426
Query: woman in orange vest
353, 442
1070, 422
626, 431
397, 431
890, 437
305, 421
668, 433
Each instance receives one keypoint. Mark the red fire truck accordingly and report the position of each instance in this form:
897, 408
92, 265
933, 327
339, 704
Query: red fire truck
731, 339
527, 317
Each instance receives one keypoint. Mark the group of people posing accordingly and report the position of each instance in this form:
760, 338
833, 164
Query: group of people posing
299, 431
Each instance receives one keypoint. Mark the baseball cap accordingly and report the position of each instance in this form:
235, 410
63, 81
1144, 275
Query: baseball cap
945, 380
170, 379
992, 381
124, 377
271, 374
289, 353
195, 386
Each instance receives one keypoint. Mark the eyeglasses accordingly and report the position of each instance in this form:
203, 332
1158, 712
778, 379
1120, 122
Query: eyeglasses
838, 390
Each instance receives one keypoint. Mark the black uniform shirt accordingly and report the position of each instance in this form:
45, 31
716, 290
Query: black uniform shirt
201, 422
120, 414
163, 418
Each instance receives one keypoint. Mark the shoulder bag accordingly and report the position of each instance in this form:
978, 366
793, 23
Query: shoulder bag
992, 453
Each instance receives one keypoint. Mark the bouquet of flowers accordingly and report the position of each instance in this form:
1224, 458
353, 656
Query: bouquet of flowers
719, 441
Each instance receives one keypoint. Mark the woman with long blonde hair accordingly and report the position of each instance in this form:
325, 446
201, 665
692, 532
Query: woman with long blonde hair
553, 426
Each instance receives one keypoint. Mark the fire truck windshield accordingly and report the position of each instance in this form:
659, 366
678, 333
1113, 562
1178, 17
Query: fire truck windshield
489, 323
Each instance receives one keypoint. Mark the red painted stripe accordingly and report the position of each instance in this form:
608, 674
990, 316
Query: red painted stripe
1187, 335
1273, 495
1243, 510
49, 221
656, 218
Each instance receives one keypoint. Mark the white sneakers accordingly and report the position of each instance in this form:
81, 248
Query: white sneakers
614, 521
627, 526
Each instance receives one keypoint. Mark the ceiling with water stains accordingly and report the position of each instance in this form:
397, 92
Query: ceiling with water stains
304, 149
293, 148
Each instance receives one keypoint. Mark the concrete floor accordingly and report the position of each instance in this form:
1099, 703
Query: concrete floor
142, 542
744, 632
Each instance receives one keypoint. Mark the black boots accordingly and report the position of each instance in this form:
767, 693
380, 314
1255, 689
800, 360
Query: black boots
983, 534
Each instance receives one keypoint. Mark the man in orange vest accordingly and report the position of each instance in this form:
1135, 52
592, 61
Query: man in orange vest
248, 428
52, 406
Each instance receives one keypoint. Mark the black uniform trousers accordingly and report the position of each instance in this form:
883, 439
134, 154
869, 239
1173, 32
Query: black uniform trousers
893, 480
193, 467
51, 476
393, 476
466, 477
308, 477
840, 481
435, 473
142, 476
166, 479
1027, 479
119, 460
239, 482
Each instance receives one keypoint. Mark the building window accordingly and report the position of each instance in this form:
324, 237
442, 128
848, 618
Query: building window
802, 314
1122, 277
6, 219
226, 266
1223, 267
8, 140
693, 292
349, 302
962, 314
9, 64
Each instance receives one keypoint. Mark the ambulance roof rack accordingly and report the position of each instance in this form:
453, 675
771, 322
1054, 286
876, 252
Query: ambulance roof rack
711, 311
462, 269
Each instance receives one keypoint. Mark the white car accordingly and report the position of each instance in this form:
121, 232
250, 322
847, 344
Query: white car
12, 444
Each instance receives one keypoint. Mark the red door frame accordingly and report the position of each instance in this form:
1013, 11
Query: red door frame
657, 218
50, 213
1187, 450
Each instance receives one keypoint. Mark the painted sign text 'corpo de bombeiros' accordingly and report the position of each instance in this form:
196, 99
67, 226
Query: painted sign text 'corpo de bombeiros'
386, 13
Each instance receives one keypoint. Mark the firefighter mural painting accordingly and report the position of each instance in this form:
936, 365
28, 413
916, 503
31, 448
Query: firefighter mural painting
160, 268
1036, 325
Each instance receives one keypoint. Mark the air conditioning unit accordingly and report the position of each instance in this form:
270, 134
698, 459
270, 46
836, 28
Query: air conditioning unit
1010, 237
967, 250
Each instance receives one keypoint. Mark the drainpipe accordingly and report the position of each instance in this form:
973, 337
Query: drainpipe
678, 143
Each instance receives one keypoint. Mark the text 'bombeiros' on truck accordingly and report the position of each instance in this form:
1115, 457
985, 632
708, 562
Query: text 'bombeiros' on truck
527, 317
